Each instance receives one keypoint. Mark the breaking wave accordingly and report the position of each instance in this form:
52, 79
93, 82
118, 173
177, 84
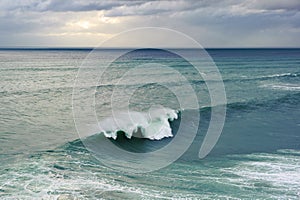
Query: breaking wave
153, 125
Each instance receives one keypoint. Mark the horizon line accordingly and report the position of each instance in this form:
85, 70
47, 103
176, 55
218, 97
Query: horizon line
120, 48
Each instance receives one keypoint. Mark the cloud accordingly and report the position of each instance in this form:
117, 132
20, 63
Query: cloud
64, 5
273, 4
75, 6
88, 22
113, 7
140, 7
149, 8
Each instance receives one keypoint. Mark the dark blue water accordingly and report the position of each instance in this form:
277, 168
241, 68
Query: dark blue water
256, 156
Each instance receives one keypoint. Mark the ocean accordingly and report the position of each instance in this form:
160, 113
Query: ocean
66, 133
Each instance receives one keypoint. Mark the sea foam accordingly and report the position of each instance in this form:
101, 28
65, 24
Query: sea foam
153, 125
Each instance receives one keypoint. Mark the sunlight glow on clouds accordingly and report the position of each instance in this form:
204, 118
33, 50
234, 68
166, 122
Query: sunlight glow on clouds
81, 24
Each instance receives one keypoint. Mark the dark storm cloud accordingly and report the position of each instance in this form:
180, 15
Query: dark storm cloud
275, 4
75, 6
62, 5
67, 5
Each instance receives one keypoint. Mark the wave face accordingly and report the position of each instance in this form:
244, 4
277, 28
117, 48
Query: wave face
253, 126
153, 125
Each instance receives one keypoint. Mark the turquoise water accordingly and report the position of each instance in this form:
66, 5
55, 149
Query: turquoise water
256, 157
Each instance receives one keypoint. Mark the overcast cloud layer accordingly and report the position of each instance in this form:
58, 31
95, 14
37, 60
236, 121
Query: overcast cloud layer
213, 23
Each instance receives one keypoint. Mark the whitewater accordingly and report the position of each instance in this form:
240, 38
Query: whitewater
153, 125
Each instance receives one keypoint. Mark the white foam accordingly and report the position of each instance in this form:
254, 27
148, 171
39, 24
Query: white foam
282, 86
153, 125
277, 172
279, 75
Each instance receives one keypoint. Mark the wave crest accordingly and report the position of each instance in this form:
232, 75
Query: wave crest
280, 75
153, 125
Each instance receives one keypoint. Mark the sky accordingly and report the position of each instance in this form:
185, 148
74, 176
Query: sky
86, 23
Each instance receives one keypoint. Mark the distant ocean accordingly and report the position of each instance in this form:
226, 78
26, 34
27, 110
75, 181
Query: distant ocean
43, 157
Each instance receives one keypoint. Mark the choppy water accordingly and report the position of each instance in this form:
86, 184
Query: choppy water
257, 156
